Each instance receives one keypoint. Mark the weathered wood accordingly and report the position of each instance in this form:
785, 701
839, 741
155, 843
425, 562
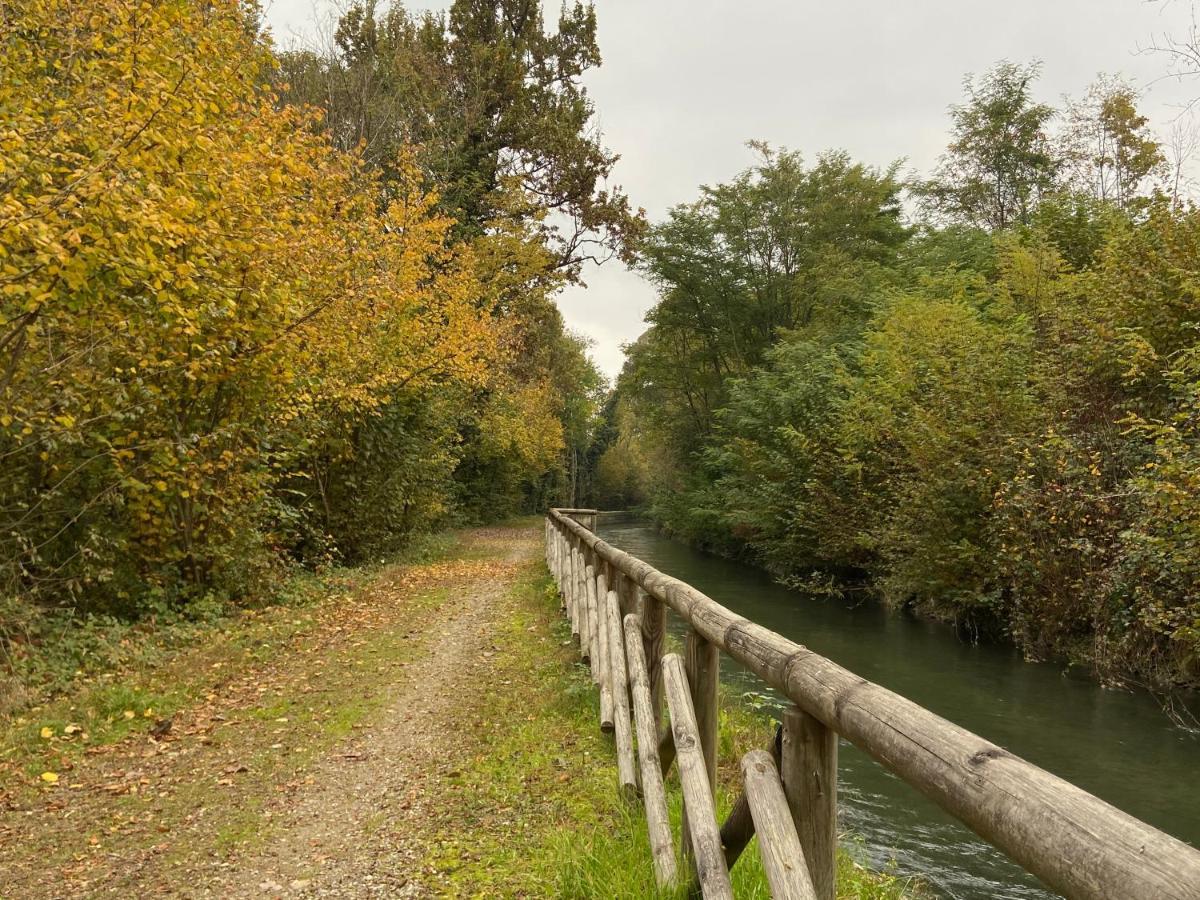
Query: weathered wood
564, 563
619, 688
699, 810
584, 518
628, 592
567, 584
778, 844
1074, 842
579, 590
654, 633
566, 588
587, 594
701, 661
738, 828
808, 762
658, 821
598, 597
559, 547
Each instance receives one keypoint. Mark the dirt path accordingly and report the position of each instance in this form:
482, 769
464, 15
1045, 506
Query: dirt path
318, 773
350, 833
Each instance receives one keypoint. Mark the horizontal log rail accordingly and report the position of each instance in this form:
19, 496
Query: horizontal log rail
1074, 842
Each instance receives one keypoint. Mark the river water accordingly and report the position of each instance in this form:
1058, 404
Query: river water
1117, 744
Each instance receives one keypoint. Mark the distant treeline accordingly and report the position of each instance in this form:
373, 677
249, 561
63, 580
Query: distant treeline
989, 411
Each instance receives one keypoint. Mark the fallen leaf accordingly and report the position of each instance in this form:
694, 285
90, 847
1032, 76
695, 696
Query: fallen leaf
50, 777
47, 732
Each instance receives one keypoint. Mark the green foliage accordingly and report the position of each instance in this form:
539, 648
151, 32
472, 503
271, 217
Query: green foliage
781, 247
1000, 161
1108, 146
494, 102
996, 426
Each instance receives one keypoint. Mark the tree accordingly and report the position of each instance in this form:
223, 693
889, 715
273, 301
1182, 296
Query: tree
1000, 161
779, 247
1108, 148
496, 105
204, 302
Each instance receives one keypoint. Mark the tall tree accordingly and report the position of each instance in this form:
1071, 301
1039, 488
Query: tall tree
1000, 162
497, 106
1108, 146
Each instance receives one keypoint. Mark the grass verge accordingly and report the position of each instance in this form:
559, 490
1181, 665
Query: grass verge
536, 812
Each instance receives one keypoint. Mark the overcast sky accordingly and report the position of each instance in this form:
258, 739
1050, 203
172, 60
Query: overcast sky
685, 83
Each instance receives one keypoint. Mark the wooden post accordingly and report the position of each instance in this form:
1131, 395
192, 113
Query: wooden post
703, 837
619, 689
703, 669
628, 592
702, 664
738, 828
658, 820
809, 766
579, 590
602, 667
654, 627
778, 845
587, 589
565, 568
556, 538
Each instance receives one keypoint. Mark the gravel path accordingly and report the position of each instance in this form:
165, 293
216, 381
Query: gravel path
357, 819
349, 834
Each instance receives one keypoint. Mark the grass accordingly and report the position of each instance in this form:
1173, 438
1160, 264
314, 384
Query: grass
157, 669
46, 654
527, 805
537, 812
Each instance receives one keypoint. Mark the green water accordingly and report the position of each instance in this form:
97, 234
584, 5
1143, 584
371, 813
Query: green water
1117, 744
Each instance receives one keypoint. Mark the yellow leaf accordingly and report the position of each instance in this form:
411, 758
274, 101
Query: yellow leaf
50, 778
47, 732
129, 713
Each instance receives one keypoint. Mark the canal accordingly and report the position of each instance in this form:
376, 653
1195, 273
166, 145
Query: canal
1117, 744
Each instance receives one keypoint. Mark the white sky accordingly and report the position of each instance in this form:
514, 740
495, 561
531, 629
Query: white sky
685, 83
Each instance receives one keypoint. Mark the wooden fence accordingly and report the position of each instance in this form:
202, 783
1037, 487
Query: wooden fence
1074, 842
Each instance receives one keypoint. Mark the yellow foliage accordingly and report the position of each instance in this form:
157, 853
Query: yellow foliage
195, 285
519, 424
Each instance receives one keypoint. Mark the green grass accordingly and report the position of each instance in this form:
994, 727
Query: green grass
48, 654
537, 813
527, 807
166, 666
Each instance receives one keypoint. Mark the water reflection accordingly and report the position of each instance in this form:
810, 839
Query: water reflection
1116, 744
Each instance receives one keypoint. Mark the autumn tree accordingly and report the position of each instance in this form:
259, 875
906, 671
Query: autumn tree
496, 104
1000, 161
1108, 147
202, 299
504, 130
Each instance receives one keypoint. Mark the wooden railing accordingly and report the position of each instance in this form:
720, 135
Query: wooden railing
1074, 842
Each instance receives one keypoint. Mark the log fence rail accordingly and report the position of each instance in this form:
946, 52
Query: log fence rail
1074, 842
